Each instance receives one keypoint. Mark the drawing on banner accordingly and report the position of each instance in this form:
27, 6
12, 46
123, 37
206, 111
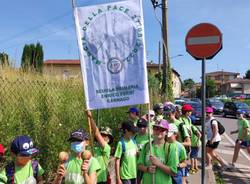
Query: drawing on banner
97, 41
112, 51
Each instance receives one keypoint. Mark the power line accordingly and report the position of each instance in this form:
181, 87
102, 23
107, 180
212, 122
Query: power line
40, 37
6, 40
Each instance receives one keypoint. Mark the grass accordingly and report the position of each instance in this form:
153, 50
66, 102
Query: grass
48, 110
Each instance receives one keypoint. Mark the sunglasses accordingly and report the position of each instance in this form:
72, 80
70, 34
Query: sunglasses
159, 129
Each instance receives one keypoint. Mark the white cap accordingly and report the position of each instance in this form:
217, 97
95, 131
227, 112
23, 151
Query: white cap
172, 129
151, 112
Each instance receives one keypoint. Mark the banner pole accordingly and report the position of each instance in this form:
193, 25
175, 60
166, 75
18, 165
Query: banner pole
89, 123
150, 141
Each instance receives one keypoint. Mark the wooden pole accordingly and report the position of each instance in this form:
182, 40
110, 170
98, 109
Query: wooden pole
150, 141
90, 130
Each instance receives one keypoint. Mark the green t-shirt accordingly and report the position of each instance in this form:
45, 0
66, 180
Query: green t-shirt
128, 167
195, 141
171, 161
159, 117
102, 155
141, 140
181, 151
22, 174
73, 169
187, 130
242, 124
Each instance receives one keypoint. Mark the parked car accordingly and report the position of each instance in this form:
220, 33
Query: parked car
196, 100
232, 108
239, 97
217, 105
196, 114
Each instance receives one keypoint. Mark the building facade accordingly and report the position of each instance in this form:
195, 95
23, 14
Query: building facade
70, 69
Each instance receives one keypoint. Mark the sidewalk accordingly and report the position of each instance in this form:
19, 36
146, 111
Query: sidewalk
239, 176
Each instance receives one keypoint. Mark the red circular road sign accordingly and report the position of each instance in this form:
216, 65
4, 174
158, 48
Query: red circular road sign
203, 41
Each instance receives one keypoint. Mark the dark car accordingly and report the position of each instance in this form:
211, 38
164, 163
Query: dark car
196, 114
233, 108
217, 105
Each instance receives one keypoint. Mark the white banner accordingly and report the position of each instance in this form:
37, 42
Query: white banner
112, 53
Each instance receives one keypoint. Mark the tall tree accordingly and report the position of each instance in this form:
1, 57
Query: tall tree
4, 59
32, 58
247, 75
210, 89
188, 83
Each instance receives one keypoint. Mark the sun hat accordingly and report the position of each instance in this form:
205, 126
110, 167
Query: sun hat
133, 110
2, 150
78, 135
129, 126
170, 108
23, 145
107, 131
209, 110
172, 129
162, 124
158, 106
186, 107
142, 123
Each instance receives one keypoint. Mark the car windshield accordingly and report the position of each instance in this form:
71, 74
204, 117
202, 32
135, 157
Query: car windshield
241, 105
217, 103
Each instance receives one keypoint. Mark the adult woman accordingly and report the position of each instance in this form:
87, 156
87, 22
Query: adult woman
213, 139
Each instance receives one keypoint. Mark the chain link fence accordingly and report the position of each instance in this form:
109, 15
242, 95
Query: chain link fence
48, 110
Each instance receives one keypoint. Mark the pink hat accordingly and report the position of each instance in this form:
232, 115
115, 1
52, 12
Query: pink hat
162, 124
209, 110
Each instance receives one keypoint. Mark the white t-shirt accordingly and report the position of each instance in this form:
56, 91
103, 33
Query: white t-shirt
209, 130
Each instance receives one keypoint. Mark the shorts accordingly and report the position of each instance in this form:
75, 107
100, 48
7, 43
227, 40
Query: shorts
129, 181
244, 144
194, 152
213, 146
177, 179
184, 172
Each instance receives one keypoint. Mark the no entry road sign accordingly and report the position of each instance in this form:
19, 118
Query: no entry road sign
203, 41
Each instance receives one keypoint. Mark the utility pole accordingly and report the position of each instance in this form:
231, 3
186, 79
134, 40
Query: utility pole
167, 90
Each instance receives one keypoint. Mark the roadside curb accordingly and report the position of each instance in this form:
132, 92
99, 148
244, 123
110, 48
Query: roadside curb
210, 177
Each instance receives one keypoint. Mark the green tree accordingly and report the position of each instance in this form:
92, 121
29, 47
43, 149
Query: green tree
32, 58
210, 89
247, 75
188, 83
4, 59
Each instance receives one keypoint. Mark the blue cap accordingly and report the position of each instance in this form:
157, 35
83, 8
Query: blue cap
78, 135
23, 145
133, 109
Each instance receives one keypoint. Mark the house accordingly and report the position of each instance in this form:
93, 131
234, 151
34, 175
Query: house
237, 85
221, 77
66, 69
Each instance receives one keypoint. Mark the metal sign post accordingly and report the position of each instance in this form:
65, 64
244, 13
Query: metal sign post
203, 95
203, 41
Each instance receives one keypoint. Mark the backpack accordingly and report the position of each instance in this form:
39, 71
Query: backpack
221, 128
124, 147
10, 171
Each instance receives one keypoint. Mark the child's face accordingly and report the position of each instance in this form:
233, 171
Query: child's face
105, 137
22, 160
143, 130
159, 133
129, 134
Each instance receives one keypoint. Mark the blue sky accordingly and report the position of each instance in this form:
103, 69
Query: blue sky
51, 23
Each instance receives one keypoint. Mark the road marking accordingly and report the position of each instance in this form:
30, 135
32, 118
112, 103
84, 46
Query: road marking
223, 151
225, 144
241, 152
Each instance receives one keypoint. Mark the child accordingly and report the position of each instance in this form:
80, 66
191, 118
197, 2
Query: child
141, 137
101, 152
125, 155
76, 170
163, 161
243, 140
195, 144
22, 169
181, 152
158, 108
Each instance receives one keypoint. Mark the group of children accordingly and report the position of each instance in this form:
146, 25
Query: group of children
154, 148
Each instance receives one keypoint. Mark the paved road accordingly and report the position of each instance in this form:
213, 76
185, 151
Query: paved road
242, 174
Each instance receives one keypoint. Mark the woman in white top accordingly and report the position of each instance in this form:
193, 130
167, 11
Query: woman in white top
213, 139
